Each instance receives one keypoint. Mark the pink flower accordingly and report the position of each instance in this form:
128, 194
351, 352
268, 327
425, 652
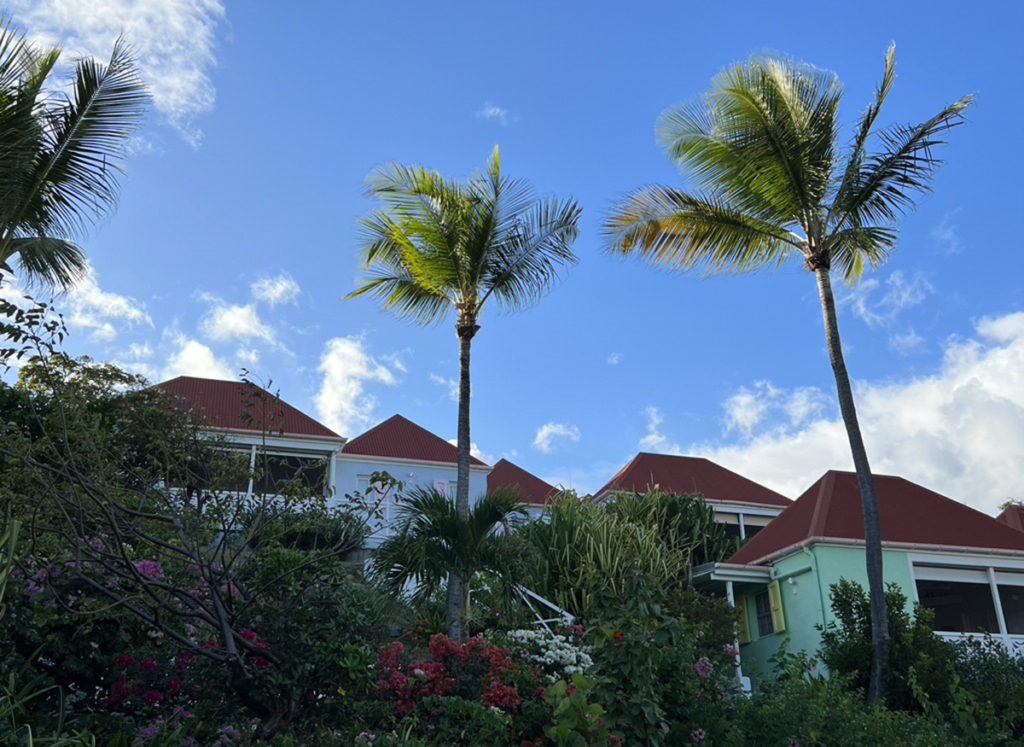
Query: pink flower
153, 697
703, 667
149, 569
249, 635
697, 735
614, 741
730, 650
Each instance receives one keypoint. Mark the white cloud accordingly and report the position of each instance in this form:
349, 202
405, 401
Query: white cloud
276, 290
906, 343
614, 359
751, 407
947, 234
959, 431
248, 357
476, 451
899, 294
173, 41
494, 113
548, 433
227, 322
655, 440
193, 358
451, 384
347, 368
95, 310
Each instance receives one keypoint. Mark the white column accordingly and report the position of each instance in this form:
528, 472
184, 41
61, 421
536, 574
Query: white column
735, 641
252, 470
999, 607
743, 527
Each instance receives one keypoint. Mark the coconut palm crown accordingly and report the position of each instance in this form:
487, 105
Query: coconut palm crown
773, 182
439, 246
60, 154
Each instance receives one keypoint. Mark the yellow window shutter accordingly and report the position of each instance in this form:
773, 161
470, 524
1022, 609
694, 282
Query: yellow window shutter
744, 631
775, 599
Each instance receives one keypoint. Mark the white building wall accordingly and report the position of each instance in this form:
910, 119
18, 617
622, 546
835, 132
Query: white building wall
352, 473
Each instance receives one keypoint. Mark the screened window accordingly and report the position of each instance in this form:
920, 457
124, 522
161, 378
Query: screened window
280, 474
959, 606
1012, 598
763, 609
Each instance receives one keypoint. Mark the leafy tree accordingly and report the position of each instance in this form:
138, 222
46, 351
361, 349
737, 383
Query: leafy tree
59, 155
774, 183
437, 245
434, 541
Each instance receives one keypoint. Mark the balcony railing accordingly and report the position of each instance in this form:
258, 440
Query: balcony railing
1014, 644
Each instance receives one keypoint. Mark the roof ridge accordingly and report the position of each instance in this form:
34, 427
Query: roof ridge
821, 507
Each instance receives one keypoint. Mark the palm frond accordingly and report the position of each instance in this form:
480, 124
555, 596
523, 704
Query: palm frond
525, 265
889, 182
853, 248
867, 122
683, 231
53, 262
76, 178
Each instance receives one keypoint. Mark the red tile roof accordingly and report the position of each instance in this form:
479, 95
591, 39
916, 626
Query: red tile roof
399, 438
224, 404
910, 514
1013, 516
531, 489
684, 474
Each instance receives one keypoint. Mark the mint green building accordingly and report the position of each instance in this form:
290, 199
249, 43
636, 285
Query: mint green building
965, 565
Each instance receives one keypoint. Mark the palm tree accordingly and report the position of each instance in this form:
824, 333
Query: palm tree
773, 183
439, 245
59, 154
434, 542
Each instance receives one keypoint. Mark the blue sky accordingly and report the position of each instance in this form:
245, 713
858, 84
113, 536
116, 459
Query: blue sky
236, 235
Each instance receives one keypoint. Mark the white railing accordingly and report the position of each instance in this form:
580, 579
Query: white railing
1014, 644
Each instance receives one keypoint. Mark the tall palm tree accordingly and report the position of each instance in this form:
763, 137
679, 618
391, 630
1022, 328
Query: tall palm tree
435, 542
439, 245
774, 183
60, 154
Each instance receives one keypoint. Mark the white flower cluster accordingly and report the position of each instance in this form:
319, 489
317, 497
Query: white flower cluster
557, 655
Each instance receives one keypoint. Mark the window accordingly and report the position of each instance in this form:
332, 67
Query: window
277, 474
763, 610
959, 606
1012, 598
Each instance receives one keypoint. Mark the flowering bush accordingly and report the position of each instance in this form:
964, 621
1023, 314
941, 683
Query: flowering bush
558, 656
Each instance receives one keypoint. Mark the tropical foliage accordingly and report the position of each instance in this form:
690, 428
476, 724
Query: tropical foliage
773, 183
60, 155
583, 548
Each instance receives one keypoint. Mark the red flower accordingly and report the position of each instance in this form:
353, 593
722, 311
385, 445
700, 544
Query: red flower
174, 686
260, 663
614, 741
125, 661
148, 665
153, 697
249, 635
184, 659
617, 636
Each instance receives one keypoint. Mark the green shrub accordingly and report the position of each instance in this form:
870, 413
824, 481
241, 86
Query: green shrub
913, 647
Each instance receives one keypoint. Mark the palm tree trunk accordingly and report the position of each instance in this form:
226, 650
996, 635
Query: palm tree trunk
456, 585
868, 497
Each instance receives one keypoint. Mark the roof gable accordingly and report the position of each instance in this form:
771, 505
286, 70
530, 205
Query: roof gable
530, 488
910, 514
1013, 516
241, 406
400, 438
686, 474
